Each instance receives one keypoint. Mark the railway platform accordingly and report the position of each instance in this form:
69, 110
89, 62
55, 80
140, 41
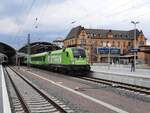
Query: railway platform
4, 101
122, 73
121, 70
1, 98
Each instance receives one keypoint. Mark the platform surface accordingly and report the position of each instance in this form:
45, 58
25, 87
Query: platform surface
122, 71
1, 97
140, 77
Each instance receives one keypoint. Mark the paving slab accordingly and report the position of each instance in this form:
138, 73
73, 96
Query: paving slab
140, 77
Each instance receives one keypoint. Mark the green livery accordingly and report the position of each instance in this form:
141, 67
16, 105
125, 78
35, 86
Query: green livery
39, 59
67, 59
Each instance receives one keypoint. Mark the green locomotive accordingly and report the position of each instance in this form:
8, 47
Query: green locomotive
73, 59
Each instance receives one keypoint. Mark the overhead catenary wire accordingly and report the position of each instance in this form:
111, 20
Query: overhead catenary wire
113, 10
20, 27
137, 7
118, 13
27, 16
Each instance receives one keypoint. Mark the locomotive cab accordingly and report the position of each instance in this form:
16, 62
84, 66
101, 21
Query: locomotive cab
77, 59
79, 56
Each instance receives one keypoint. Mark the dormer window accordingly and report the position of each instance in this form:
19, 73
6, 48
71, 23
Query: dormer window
99, 35
110, 35
115, 36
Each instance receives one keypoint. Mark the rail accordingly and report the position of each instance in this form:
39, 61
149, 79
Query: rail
21, 98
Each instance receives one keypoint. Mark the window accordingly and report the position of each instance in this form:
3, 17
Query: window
115, 35
118, 44
110, 36
38, 58
107, 43
124, 44
99, 35
113, 44
141, 43
101, 43
82, 41
78, 52
129, 43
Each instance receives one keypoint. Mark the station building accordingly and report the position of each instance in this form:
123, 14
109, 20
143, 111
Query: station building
99, 43
144, 54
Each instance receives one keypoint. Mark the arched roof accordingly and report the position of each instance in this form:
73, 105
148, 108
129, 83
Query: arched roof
38, 47
7, 50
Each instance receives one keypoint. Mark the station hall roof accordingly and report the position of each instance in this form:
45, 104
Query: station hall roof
7, 50
118, 34
39, 47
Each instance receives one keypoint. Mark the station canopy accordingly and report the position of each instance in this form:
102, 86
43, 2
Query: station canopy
39, 47
7, 50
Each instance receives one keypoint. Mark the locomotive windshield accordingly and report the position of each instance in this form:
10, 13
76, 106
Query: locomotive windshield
78, 52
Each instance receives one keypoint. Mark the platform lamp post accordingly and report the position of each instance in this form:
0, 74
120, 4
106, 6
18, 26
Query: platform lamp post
135, 45
16, 58
28, 52
109, 47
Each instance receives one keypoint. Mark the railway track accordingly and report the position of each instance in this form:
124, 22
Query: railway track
139, 89
28, 98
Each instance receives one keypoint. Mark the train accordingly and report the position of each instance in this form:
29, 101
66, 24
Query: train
66, 60
3, 59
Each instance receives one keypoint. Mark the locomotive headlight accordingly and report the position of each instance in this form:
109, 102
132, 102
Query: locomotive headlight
72, 62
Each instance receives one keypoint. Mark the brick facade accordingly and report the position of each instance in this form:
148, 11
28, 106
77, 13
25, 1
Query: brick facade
92, 39
144, 54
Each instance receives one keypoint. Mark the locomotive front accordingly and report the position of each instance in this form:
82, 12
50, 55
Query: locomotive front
79, 61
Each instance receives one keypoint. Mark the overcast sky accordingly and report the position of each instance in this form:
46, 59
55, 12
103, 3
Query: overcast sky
46, 20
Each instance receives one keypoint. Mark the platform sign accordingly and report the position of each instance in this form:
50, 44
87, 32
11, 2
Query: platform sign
115, 51
105, 50
134, 50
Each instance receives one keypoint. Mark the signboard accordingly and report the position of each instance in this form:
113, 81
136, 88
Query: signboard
134, 50
105, 50
115, 51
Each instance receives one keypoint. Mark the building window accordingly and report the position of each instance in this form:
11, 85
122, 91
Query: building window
101, 43
129, 43
99, 35
110, 36
124, 44
118, 44
113, 44
115, 35
82, 41
107, 43
141, 43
